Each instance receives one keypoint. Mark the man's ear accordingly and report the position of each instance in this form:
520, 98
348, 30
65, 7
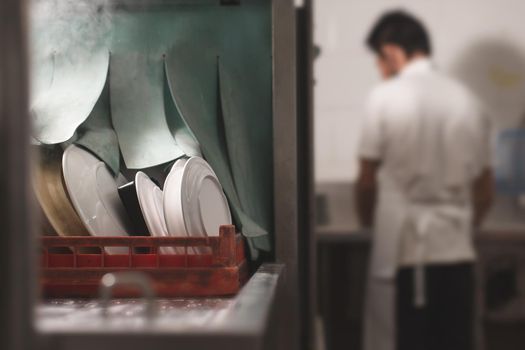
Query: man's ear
395, 56
388, 54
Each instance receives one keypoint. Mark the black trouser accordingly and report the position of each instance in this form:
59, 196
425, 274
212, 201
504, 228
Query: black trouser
446, 322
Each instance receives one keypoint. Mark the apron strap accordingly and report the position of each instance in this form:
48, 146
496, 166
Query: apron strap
422, 225
420, 299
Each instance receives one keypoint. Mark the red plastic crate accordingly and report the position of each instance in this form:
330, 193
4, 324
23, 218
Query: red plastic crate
77, 274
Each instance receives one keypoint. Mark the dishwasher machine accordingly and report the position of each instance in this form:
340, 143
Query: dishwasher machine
85, 79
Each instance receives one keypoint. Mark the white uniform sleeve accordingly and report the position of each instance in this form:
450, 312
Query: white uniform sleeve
371, 138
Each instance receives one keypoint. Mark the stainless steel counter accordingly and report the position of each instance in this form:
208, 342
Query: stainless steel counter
337, 219
245, 321
344, 248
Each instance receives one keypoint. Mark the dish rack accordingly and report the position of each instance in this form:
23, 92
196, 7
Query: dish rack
70, 270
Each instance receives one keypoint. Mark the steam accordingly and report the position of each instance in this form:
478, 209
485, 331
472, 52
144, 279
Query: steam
69, 25
74, 29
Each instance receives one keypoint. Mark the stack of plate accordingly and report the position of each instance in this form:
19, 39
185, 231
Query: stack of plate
54, 210
59, 216
194, 202
92, 189
79, 195
143, 200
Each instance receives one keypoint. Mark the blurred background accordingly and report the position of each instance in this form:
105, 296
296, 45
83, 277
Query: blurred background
298, 74
482, 44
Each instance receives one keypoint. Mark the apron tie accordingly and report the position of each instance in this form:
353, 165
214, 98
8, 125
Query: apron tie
423, 216
422, 224
420, 299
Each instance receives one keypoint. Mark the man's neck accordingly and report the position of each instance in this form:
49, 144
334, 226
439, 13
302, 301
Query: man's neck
416, 57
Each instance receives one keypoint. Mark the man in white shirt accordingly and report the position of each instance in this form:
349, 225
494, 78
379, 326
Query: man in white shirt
424, 184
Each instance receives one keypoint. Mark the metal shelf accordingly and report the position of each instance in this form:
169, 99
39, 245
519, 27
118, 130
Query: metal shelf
241, 322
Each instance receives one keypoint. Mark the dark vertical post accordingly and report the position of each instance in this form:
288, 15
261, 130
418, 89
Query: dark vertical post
285, 168
17, 253
305, 160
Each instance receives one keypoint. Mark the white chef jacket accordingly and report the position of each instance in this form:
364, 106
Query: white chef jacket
433, 139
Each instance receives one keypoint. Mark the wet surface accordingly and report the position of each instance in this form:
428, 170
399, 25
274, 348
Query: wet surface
336, 205
68, 314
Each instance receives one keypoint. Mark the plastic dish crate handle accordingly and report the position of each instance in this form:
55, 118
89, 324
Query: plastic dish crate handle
132, 279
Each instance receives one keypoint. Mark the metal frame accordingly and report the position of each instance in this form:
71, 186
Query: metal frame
305, 127
18, 265
285, 167
244, 325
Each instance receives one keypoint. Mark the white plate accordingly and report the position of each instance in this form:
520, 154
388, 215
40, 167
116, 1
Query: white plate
150, 201
172, 202
205, 207
93, 192
194, 202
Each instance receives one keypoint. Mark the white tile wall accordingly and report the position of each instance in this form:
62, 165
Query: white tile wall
345, 70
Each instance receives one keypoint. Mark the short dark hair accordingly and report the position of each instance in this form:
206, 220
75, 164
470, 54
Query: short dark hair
400, 28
